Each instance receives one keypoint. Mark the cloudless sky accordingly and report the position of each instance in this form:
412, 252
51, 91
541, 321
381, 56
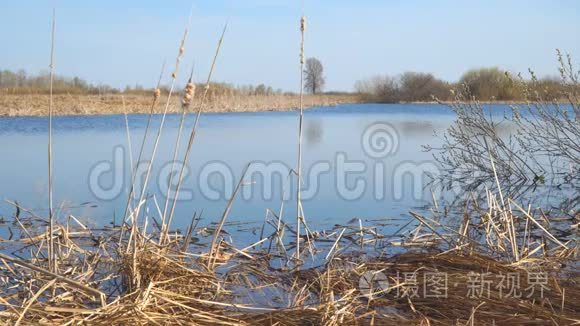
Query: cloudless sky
125, 42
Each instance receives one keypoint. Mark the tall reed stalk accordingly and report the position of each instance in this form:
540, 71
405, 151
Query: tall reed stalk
156, 95
189, 94
214, 247
301, 120
51, 255
134, 215
194, 131
129, 141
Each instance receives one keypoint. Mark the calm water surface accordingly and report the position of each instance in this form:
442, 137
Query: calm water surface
343, 150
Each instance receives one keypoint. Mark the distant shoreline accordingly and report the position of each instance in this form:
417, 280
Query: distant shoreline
481, 102
67, 105
75, 105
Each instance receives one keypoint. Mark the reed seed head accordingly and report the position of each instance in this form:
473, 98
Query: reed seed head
302, 30
188, 94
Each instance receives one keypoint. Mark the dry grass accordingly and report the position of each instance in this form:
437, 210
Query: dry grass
35, 105
138, 280
143, 272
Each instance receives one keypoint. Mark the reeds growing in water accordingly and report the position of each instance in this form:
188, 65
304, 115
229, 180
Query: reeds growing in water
211, 282
141, 272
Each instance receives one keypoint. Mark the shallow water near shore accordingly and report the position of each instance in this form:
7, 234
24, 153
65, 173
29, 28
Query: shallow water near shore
361, 161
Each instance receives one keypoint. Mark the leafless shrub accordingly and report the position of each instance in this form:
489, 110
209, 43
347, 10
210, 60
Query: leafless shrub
383, 89
408, 87
489, 84
535, 146
422, 87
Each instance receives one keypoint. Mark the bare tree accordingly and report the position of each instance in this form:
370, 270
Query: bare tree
313, 76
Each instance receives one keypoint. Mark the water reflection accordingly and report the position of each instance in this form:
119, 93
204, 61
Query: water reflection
314, 131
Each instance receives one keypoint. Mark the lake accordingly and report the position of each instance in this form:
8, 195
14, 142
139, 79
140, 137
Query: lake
359, 161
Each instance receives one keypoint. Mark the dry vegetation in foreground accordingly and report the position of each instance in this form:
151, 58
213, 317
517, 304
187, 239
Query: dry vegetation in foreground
35, 105
62, 271
145, 274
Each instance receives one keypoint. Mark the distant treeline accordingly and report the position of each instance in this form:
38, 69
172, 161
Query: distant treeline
20, 83
486, 84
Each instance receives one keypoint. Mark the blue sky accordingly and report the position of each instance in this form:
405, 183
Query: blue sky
125, 42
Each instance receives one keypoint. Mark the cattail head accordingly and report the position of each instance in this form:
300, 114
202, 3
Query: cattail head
302, 30
188, 95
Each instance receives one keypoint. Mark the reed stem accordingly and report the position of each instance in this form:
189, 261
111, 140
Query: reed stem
156, 95
299, 169
51, 256
194, 129
135, 214
189, 91
129, 141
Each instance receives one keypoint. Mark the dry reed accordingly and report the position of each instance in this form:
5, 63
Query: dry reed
159, 276
300, 123
135, 215
35, 105
188, 96
193, 132
211, 282
52, 261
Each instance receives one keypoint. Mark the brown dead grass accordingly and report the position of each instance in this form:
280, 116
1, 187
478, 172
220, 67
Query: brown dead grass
141, 281
35, 105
